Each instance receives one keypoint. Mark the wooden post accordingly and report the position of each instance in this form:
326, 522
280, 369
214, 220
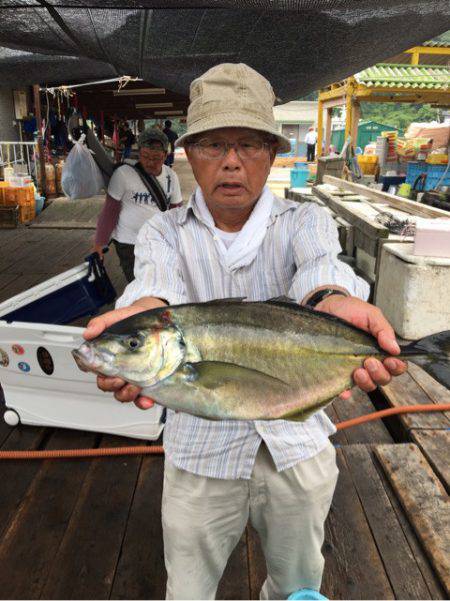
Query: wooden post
356, 113
328, 131
319, 129
37, 109
348, 111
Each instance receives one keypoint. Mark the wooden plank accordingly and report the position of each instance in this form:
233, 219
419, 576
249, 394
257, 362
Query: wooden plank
85, 560
435, 391
20, 250
140, 572
432, 581
409, 206
365, 242
32, 537
435, 445
16, 476
424, 499
401, 567
32, 257
21, 283
66, 225
81, 213
353, 566
360, 404
359, 220
403, 390
7, 279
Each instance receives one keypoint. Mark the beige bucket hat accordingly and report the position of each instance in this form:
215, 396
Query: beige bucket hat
232, 95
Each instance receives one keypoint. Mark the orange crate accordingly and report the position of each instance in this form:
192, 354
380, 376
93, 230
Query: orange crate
9, 196
27, 212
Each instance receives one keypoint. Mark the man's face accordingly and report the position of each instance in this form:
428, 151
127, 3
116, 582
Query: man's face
231, 181
152, 158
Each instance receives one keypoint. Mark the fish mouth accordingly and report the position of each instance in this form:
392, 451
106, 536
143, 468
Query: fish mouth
85, 358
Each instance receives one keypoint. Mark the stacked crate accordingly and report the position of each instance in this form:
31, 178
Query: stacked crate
17, 200
392, 144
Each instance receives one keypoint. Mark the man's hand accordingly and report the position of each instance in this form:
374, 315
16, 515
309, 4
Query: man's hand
98, 248
369, 318
123, 392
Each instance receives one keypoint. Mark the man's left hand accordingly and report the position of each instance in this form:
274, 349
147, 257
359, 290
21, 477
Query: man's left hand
369, 318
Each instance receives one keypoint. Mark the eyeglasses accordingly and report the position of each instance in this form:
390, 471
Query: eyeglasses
246, 149
153, 153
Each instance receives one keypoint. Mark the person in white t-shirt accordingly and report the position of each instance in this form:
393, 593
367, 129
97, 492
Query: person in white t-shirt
311, 139
129, 203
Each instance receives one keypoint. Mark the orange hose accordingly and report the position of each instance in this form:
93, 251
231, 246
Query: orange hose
159, 450
76, 453
394, 411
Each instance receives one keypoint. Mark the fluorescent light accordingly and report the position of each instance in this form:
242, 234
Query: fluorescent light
138, 91
169, 113
154, 105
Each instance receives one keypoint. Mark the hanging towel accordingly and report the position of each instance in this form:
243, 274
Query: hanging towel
244, 248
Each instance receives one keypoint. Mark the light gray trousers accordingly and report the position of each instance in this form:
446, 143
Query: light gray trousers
204, 518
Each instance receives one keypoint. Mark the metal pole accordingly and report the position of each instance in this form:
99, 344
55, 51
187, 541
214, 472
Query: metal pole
37, 108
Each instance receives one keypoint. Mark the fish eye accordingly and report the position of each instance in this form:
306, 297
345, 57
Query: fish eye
133, 343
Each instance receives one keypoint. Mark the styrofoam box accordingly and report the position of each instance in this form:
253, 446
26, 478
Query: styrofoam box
69, 397
412, 291
432, 238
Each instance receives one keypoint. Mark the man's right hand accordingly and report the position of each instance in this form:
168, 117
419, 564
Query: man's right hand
123, 392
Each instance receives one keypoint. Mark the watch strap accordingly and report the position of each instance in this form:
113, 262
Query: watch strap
319, 296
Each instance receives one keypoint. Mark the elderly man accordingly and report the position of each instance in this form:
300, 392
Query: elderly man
136, 193
236, 239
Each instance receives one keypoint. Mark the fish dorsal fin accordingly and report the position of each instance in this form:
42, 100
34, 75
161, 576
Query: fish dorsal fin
216, 301
281, 299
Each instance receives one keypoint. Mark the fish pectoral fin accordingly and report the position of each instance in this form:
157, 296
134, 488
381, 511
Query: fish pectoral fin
216, 374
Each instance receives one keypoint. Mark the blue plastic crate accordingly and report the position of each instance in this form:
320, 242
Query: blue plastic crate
434, 174
76, 293
414, 169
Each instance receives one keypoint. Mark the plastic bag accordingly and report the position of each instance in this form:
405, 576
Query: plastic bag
81, 177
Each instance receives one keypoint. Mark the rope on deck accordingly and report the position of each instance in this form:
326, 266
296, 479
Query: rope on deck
159, 450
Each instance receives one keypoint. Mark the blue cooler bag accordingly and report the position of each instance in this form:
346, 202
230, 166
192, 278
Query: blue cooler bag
75, 293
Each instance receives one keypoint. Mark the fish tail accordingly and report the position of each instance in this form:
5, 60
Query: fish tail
432, 353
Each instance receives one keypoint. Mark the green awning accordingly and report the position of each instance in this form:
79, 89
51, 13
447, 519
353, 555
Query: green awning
414, 77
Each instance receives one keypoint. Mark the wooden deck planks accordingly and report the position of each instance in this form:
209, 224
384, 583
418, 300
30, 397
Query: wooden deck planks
97, 526
403, 390
140, 571
360, 404
425, 501
353, 567
87, 555
435, 445
64, 213
398, 558
33, 535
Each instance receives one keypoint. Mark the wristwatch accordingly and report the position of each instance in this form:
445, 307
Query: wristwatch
321, 294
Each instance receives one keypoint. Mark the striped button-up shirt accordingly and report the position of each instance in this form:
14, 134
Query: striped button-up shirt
177, 259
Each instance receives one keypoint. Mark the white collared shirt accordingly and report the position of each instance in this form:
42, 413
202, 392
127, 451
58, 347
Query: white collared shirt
177, 259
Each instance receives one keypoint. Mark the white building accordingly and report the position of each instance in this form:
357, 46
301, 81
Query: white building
293, 120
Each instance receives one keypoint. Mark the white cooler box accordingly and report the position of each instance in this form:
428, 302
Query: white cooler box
412, 291
41, 382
